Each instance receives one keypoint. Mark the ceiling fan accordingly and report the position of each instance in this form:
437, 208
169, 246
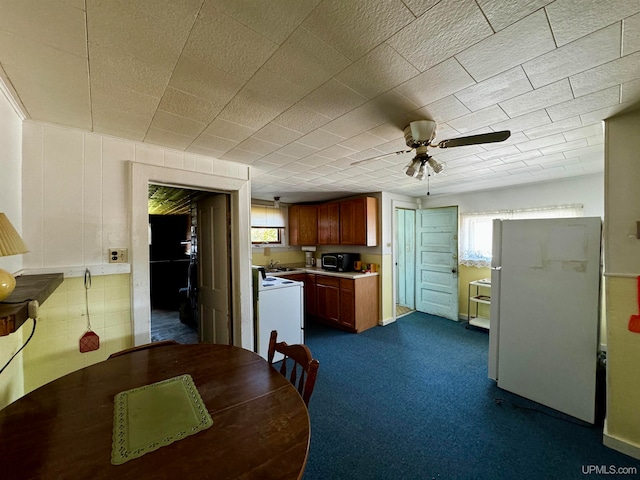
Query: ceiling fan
419, 134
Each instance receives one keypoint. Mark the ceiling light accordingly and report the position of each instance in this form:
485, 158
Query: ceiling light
437, 167
276, 202
412, 168
423, 172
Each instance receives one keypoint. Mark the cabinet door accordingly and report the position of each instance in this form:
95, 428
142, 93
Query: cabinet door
328, 297
358, 221
303, 225
310, 299
347, 303
329, 224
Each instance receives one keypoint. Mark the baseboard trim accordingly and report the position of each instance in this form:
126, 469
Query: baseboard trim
620, 445
387, 321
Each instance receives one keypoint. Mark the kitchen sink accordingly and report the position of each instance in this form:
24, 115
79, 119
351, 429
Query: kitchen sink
281, 269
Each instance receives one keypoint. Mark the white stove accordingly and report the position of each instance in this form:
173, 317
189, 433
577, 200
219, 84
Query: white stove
277, 305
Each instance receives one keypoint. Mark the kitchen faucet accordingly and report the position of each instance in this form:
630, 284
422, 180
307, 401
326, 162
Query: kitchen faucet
272, 265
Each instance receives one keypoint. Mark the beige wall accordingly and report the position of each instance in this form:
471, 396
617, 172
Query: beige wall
622, 266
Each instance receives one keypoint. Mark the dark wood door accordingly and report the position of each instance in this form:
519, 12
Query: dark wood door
328, 297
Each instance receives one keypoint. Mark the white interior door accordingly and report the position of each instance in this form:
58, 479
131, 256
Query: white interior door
437, 262
213, 269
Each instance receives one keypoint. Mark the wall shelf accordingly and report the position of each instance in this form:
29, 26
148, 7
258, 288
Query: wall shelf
14, 310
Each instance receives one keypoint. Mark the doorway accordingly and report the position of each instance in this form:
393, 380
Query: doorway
233, 182
405, 261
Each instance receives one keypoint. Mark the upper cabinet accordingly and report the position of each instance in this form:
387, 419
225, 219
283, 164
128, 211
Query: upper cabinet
303, 225
359, 221
347, 222
329, 224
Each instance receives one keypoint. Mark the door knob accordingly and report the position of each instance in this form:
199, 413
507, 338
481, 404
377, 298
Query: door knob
453, 270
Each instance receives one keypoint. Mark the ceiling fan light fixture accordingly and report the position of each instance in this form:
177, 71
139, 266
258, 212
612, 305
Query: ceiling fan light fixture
412, 168
437, 167
423, 173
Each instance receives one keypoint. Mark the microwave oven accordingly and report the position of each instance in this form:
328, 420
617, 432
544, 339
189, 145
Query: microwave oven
339, 262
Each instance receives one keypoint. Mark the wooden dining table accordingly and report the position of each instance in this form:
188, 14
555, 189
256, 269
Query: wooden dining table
64, 429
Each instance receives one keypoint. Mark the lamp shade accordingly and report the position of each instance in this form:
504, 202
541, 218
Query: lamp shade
10, 244
10, 241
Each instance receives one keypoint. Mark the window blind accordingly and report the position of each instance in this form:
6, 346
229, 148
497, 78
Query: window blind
266, 216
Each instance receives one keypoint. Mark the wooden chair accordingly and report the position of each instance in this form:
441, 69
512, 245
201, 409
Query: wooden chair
146, 346
302, 360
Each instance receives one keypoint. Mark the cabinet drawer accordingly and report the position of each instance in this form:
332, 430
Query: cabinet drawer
346, 284
328, 281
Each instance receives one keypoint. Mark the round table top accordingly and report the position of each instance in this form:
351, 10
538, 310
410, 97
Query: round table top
64, 429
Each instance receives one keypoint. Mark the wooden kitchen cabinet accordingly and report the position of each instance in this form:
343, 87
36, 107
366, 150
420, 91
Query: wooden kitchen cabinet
328, 298
329, 224
351, 304
310, 295
359, 221
303, 225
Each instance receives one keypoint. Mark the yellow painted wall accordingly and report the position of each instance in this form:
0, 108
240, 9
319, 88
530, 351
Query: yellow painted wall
623, 359
11, 380
54, 349
466, 275
283, 257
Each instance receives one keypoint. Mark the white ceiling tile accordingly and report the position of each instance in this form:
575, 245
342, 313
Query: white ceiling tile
551, 128
174, 123
498, 153
238, 49
444, 110
126, 101
273, 90
274, 20
260, 147
541, 142
606, 112
378, 71
168, 139
320, 139
238, 155
501, 14
126, 121
584, 132
372, 114
585, 53
362, 142
332, 21
436, 83
187, 105
495, 89
307, 60
333, 99
205, 80
631, 34
213, 143
452, 26
631, 91
276, 134
540, 98
246, 109
335, 152
277, 158
388, 131
586, 151
522, 41
53, 24
522, 157
229, 130
564, 147
619, 71
585, 104
572, 19
482, 118
595, 140
297, 150
301, 119
314, 160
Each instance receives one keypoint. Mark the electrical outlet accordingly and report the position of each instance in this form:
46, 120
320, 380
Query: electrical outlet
118, 255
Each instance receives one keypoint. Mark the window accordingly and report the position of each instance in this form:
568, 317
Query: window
267, 224
476, 229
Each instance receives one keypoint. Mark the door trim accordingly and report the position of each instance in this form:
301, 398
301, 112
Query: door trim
396, 204
238, 186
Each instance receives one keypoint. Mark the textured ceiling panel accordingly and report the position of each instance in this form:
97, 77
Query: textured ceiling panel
302, 89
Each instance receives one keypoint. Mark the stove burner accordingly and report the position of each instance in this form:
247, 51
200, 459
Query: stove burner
267, 284
270, 279
287, 281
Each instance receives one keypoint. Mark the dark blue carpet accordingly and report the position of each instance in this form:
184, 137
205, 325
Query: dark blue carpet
412, 401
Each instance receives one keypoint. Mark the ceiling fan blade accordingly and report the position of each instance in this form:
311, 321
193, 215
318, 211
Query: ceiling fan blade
367, 160
475, 139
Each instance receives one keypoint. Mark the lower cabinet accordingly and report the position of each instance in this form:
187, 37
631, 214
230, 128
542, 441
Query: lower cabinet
350, 304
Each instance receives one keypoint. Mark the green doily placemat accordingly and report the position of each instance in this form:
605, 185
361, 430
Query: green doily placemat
150, 417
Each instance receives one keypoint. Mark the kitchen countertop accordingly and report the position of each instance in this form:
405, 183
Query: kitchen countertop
320, 271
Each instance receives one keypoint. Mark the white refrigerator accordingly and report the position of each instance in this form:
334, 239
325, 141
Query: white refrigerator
545, 304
